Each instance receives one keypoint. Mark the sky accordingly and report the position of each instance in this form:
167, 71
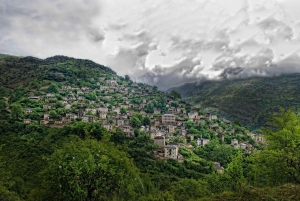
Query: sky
163, 43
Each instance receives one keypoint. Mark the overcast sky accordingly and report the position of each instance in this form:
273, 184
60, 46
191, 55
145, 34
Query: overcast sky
165, 43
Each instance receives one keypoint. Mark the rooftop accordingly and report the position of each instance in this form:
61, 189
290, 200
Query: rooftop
168, 115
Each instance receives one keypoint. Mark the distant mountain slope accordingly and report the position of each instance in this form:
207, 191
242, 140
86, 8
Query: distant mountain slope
27, 71
250, 100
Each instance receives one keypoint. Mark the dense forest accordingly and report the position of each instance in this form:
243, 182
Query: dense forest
250, 100
87, 161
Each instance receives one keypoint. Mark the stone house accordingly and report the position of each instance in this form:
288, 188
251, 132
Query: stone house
202, 141
120, 122
71, 116
46, 116
168, 118
214, 117
159, 141
102, 115
156, 111
191, 136
68, 106
170, 128
235, 143
112, 89
27, 110
87, 118
85, 88
193, 115
81, 98
50, 95
218, 167
208, 116
26, 121
109, 127
58, 123
183, 132
44, 122
171, 151
79, 91
117, 110
126, 128
103, 88
171, 110
112, 82
213, 126
93, 110
47, 106
35, 98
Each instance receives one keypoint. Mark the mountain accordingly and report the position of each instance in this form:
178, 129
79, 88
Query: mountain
249, 100
32, 72
72, 129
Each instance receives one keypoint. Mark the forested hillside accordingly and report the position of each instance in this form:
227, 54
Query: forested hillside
249, 100
75, 130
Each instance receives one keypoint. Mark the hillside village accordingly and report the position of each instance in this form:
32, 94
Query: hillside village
119, 103
80, 114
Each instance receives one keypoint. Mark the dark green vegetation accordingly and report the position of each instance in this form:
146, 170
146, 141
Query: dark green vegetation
249, 100
82, 161
85, 161
30, 72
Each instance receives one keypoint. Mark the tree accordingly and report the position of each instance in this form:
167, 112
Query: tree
174, 94
190, 189
189, 124
127, 78
146, 121
16, 111
92, 96
53, 88
135, 122
123, 110
235, 171
90, 170
53, 114
110, 121
279, 162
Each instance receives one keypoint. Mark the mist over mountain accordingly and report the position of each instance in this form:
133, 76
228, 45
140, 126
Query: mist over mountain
250, 100
161, 43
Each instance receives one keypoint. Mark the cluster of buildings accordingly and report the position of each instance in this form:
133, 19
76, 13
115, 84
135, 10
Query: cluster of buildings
78, 107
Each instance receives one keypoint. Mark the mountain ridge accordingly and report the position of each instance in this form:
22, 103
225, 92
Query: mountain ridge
251, 100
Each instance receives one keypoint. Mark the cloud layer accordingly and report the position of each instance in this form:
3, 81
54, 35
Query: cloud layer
165, 43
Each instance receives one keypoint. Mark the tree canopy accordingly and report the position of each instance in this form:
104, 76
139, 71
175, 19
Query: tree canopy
89, 170
279, 161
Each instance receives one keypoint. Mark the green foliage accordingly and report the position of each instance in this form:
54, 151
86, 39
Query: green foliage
92, 96
136, 120
189, 124
235, 171
16, 111
216, 152
90, 170
127, 78
279, 162
146, 121
190, 189
53, 88
175, 95
123, 110
249, 100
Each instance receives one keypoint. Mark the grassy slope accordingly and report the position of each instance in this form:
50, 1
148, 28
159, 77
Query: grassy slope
250, 100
